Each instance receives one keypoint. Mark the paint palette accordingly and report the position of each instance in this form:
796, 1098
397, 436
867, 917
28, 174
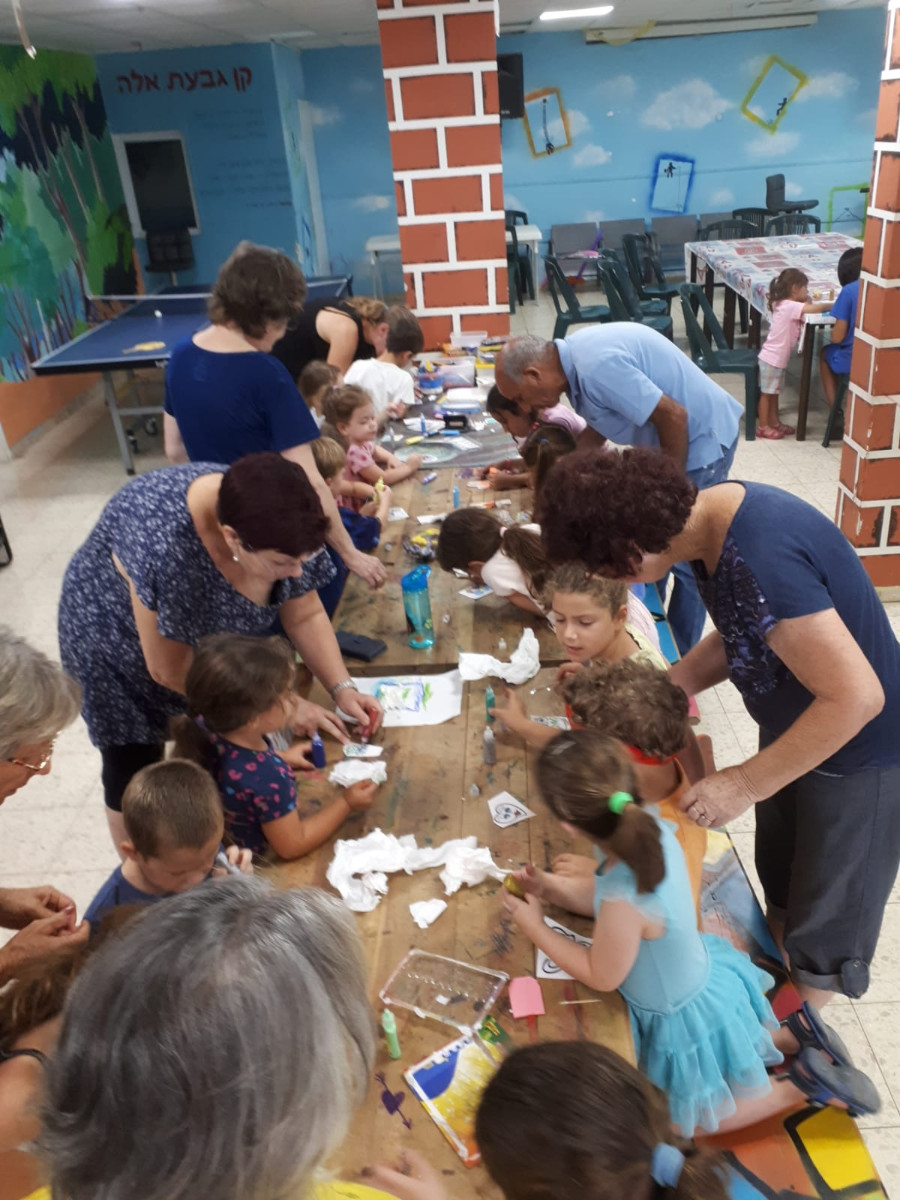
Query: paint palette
432, 451
454, 993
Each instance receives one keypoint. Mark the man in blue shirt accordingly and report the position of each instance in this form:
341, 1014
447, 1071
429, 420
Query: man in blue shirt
635, 388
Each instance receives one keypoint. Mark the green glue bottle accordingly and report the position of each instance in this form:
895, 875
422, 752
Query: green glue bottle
389, 1025
490, 701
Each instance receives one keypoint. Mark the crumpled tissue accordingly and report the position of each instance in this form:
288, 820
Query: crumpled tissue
426, 912
355, 770
524, 662
360, 866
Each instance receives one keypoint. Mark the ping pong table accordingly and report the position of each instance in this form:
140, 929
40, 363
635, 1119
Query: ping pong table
145, 335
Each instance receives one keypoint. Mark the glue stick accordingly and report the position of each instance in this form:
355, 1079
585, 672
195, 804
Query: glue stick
317, 752
389, 1025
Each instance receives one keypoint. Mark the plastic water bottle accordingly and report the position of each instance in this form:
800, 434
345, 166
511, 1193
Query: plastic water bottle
456, 495
417, 605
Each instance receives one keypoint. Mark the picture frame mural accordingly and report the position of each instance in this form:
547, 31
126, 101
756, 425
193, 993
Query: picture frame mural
546, 122
772, 92
671, 181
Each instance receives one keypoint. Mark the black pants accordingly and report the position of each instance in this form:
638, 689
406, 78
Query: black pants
120, 763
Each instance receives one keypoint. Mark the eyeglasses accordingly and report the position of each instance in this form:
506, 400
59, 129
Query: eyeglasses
33, 766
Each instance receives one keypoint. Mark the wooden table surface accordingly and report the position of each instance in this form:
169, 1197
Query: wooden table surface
476, 625
430, 773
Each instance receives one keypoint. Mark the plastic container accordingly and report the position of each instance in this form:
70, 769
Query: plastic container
454, 993
417, 605
457, 373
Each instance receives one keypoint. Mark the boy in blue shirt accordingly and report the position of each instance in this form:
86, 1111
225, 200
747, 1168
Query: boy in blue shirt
834, 357
174, 824
364, 527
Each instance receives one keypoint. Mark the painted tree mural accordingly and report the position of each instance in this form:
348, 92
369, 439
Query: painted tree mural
64, 231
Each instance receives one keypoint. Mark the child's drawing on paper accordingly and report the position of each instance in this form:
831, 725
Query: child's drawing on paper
404, 695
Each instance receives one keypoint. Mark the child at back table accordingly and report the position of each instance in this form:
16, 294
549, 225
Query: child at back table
317, 381
239, 690
788, 302
173, 826
511, 474
387, 378
834, 357
702, 1024
364, 527
350, 412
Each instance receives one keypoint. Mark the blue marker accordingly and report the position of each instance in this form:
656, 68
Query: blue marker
318, 751
456, 495
429, 478
422, 425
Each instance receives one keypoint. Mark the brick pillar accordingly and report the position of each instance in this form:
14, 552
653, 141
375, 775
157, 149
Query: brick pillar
868, 508
440, 74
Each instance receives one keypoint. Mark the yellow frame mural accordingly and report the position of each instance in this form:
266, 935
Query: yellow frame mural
545, 94
771, 61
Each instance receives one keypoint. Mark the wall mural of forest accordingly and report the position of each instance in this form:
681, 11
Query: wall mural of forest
64, 230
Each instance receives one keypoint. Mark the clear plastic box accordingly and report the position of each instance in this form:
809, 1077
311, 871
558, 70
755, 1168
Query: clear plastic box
454, 993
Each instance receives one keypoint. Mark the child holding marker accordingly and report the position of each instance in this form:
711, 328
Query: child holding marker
387, 378
350, 412
364, 526
239, 690
173, 827
701, 1022
509, 474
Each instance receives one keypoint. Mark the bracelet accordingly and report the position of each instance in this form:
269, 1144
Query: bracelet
339, 687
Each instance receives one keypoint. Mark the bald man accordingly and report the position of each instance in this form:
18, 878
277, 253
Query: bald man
635, 388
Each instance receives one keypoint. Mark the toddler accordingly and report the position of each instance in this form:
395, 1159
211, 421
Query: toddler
640, 707
788, 302
173, 832
387, 378
702, 1024
350, 412
544, 446
317, 381
510, 473
834, 357
364, 527
239, 689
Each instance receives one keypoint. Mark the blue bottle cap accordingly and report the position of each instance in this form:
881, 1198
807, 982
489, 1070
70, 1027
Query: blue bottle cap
416, 580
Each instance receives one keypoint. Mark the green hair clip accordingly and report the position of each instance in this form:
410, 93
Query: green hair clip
618, 800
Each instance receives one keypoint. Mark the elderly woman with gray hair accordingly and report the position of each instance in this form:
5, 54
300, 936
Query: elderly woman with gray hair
37, 701
232, 1041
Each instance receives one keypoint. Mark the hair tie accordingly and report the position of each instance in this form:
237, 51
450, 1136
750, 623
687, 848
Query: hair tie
618, 800
666, 1165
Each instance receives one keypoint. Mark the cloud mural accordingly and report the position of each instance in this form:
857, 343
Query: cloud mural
592, 155
372, 203
723, 197
773, 145
690, 105
831, 85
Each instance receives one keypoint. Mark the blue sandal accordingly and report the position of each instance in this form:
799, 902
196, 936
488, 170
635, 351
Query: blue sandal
810, 1030
822, 1082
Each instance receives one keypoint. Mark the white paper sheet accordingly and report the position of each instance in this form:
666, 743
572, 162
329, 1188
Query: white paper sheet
360, 866
426, 912
416, 699
545, 967
507, 810
355, 770
524, 662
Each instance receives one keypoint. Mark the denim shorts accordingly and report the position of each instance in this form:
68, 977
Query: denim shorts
771, 379
827, 852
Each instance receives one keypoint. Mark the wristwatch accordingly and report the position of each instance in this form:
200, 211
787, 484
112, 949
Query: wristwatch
340, 687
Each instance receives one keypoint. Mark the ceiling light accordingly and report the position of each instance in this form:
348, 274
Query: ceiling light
567, 14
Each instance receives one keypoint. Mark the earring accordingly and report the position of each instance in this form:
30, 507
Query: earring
234, 558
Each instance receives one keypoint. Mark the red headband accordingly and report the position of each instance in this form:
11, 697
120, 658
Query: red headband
647, 760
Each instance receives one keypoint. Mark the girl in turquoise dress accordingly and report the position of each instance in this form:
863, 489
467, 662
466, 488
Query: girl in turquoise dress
704, 1031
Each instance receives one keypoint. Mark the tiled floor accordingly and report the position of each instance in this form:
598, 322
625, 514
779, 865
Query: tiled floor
55, 829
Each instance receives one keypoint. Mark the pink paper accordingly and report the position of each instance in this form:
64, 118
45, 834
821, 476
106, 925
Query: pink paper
525, 997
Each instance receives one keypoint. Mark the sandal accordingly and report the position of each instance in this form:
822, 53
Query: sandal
769, 432
810, 1030
823, 1083
786, 430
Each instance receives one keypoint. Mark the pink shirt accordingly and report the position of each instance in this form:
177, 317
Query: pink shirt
359, 456
784, 333
560, 414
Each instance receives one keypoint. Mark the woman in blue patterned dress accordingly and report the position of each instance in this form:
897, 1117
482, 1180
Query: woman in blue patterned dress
801, 633
184, 552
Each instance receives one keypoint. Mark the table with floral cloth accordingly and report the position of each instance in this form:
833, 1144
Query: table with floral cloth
746, 266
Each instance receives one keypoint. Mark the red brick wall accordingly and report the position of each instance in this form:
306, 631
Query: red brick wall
440, 70
869, 495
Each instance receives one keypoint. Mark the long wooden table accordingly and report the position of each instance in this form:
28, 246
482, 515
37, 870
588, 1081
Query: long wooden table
459, 623
430, 773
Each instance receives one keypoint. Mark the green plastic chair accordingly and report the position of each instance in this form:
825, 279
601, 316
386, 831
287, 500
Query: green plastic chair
730, 230
514, 268
623, 299
793, 223
637, 250
755, 217
715, 357
569, 311
646, 308
840, 390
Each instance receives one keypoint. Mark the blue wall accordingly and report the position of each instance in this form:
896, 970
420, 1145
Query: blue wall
291, 90
679, 100
353, 152
233, 138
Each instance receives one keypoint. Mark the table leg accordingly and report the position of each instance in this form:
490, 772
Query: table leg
113, 406
809, 351
753, 333
693, 267
728, 319
535, 260
373, 262
709, 287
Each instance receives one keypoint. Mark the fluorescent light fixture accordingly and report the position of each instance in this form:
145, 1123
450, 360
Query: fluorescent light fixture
568, 14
